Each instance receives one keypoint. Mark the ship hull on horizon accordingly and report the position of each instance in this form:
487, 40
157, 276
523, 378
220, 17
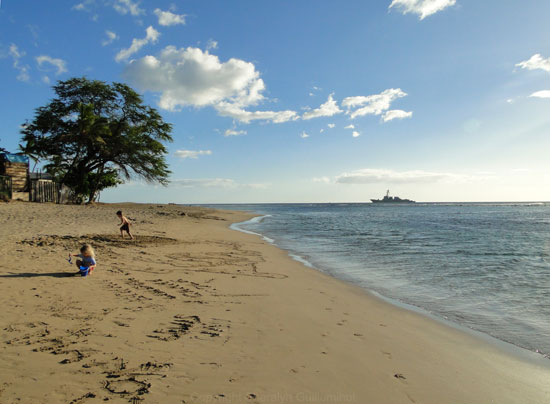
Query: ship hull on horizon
392, 201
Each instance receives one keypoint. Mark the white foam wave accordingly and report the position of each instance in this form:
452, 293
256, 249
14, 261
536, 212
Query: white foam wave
257, 219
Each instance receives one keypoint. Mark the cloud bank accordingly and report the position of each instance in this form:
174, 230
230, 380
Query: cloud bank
193, 77
376, 176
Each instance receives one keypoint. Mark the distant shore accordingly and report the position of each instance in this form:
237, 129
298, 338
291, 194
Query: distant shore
194, 312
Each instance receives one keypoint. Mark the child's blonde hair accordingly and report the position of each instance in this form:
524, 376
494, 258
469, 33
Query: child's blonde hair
87, 248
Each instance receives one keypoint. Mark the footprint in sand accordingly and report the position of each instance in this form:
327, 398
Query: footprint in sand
127, 386
81, 399
387, 355
72, 356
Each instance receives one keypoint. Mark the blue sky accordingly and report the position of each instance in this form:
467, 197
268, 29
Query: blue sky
310, 100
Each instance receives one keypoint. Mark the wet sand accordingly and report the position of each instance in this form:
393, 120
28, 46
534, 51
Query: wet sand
193, 312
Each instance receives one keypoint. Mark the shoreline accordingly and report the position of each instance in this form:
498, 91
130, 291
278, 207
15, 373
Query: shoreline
507, 347
195, 312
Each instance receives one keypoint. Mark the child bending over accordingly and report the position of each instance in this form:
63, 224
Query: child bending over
87, 258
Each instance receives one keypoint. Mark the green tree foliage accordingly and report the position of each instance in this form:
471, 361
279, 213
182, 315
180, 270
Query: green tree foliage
95, 135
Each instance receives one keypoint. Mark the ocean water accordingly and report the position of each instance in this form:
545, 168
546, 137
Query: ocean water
482, 266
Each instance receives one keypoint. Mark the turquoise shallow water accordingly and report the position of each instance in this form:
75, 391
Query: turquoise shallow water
483, 266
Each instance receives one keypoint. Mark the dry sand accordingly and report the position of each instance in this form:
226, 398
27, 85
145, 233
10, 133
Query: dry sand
193, 312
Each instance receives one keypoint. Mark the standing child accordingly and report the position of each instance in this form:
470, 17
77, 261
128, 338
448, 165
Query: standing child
87, 258
125, 225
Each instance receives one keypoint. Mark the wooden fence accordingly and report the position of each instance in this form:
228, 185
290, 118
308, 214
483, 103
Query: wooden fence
5, 187
45, 191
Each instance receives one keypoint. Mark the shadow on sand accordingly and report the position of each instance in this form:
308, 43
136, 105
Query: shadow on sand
34, 274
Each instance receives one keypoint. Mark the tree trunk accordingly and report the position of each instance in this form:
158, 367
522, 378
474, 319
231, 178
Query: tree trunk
95, 187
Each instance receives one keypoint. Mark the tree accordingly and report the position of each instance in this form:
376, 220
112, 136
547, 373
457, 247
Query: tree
95, 135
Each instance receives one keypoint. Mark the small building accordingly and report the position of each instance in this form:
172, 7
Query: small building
16, 182
14, 168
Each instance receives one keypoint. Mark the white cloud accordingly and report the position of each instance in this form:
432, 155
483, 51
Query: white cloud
314, 90
331, 125
375, 176
375, 104
324, 180
304, 135
234, 111
233, 132
321, 131
128, 7
355, 134
536, 62
192, 154
350, 126
226, 183
423, 8
16, 55
166, 18
84, 6
190, 76
396, 114
111, 37
45, 79
193, 77
152, 36
541, 94
59, 64
211, 44
329, 108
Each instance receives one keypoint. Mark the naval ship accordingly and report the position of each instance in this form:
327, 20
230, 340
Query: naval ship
391, 199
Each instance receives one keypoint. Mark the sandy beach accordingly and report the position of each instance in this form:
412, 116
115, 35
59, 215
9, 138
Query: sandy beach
194, 312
